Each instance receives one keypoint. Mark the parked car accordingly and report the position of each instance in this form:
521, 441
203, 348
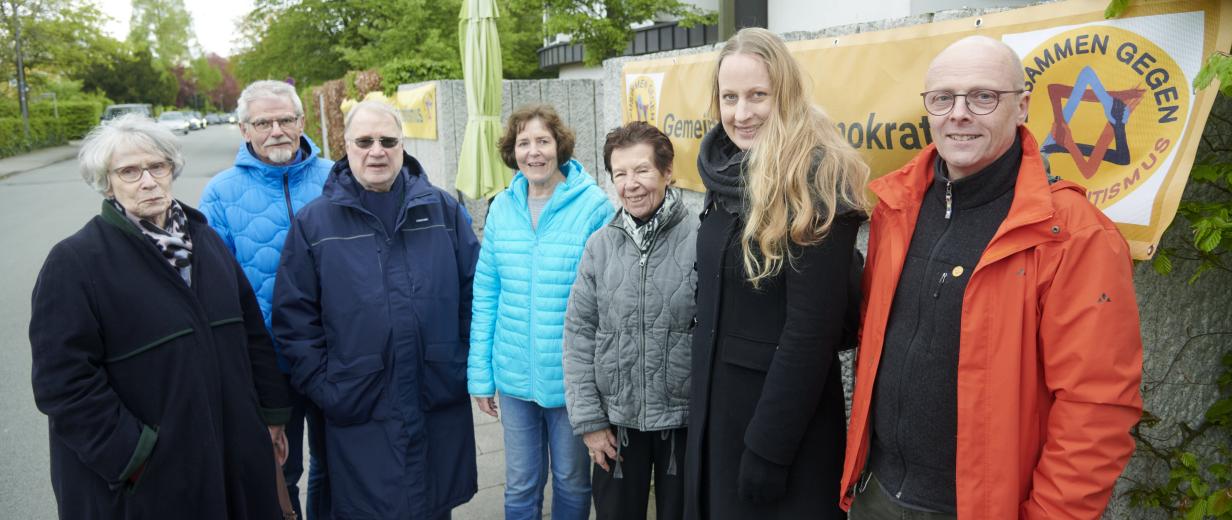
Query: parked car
114, 111
177, 122
195, 121
231, 118
215, 119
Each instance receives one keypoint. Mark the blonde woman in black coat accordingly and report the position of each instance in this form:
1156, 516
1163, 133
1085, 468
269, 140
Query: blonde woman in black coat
785, 198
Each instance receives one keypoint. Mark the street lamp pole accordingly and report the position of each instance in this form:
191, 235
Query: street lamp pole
21, 71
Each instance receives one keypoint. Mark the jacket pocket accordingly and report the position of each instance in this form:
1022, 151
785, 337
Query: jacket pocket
444, 375
747, 353
679, 368
607, 365
352, 388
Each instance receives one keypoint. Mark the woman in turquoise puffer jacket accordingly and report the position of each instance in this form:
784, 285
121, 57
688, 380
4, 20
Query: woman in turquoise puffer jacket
533, 240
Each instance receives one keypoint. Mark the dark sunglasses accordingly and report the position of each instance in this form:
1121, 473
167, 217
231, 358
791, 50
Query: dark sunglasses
386, 142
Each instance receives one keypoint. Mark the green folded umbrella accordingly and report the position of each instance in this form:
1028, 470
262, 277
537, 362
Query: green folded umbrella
481, 173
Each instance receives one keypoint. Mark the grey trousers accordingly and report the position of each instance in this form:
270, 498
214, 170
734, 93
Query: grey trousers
872, 503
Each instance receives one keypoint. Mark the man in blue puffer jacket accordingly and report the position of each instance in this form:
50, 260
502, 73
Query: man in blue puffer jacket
250, 205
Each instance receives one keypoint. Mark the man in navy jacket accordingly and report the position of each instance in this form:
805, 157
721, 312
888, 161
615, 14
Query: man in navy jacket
372, 307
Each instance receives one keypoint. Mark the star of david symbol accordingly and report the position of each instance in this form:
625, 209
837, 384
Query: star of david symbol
1117, 105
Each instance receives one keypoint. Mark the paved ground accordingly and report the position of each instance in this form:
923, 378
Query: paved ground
43, 200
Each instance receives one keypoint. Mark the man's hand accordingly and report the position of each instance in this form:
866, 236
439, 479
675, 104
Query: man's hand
602, 446
278, 435
488, 405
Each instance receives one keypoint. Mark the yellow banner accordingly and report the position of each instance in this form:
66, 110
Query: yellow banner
418, 106
1129, 138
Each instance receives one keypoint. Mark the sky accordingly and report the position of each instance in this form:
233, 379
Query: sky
214, 21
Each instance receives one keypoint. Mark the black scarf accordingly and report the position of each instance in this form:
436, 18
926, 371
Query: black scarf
173, 242
722, 165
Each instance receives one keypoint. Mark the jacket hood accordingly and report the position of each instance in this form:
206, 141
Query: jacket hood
577, 179
342, 188
247, 160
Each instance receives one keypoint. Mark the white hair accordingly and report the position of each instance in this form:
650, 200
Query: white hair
373, 105
127, 131
266, 89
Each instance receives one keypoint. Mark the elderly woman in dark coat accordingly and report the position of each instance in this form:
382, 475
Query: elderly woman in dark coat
150, 357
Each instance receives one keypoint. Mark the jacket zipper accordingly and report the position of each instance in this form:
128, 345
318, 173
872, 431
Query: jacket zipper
949, 199
286, 194
932, 253
534, 276
641, 303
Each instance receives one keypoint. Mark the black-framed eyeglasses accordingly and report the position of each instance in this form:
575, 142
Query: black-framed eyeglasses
979, 101
130, 174
265, 125
386, 142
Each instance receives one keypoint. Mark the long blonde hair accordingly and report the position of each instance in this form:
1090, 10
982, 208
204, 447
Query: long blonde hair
800, 171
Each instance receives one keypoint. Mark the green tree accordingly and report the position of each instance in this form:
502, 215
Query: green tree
165, 27
297, 39
314, 41
58, 37
131, 76
603, 27
522, 33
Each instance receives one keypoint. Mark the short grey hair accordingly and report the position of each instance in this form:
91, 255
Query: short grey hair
127, 131
373, 105
266, 89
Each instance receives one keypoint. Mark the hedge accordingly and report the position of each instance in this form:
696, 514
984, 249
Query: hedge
44, 131
76, 119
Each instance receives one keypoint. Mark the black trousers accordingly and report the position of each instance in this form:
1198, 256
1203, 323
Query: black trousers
642, 455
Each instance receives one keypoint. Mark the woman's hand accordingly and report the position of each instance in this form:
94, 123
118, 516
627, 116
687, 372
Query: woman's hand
602, 446
488, 405
278, 436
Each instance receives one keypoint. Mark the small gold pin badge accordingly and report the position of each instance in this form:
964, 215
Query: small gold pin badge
957, 271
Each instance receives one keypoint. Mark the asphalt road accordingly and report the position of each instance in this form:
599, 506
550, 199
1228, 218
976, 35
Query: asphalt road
38, 209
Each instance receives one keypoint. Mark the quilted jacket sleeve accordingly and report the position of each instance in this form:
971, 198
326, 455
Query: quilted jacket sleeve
484, 309
214, 209
1091, 349
581, 321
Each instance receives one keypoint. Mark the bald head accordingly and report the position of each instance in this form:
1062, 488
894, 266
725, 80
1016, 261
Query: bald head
969, 141
977, 53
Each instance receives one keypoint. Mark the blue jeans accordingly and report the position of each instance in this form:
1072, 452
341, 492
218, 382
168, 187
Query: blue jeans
534, 437
303, 409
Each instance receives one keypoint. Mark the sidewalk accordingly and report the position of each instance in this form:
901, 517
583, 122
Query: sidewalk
489, 502
11, 166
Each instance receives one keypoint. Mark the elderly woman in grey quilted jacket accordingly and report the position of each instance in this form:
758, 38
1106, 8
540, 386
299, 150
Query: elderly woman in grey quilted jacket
627, 333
